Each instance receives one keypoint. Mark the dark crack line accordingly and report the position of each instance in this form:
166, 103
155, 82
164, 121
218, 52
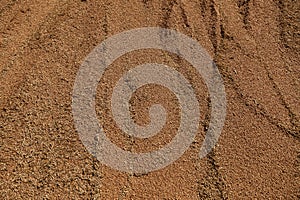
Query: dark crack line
167, 11
220, 184
213, 36
292, 117
287, 20
214, 167
244, 11
105, 24
283, 102
213, 25
282, 23
184, 15
256, 108
203, 6
209, 13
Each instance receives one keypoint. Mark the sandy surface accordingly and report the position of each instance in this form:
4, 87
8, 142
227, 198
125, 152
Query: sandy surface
255, 45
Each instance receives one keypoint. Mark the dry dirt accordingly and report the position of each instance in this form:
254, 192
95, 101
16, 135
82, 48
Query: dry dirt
255, 45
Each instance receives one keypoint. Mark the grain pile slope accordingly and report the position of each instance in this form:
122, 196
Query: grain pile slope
255, 45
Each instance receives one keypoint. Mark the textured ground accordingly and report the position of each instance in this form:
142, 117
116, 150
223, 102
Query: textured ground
255, 44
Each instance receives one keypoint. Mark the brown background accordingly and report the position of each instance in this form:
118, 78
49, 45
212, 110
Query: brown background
255, 44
